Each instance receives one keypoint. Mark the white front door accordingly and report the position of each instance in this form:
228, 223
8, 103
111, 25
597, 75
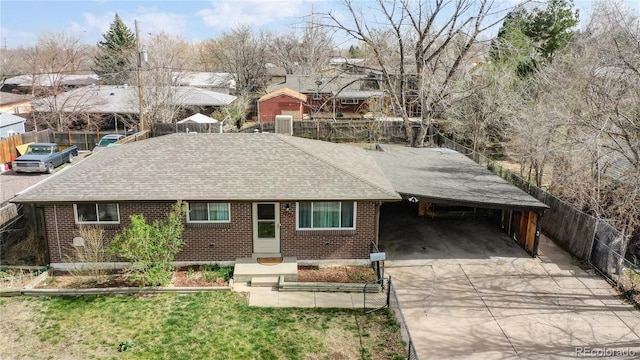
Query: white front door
266, 229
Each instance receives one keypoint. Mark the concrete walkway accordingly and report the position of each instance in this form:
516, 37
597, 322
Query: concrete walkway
513, 308
271, 297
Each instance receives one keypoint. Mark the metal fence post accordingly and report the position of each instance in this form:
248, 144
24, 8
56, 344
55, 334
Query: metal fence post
388, 290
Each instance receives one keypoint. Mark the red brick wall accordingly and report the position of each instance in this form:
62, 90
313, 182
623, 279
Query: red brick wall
329, 244
226, 242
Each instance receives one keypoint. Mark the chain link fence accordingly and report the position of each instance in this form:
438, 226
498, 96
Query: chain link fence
380, 294
607, 258
396, 309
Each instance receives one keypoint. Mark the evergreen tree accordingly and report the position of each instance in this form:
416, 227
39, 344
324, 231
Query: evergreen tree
512, 48
529, 39
355, 52
551, 28
115, 54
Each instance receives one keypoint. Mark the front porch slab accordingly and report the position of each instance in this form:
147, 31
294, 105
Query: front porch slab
248, 268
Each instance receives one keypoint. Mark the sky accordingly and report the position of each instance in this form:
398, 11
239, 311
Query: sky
22, 20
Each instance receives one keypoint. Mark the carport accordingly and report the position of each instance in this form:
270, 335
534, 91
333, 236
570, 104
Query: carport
444, 182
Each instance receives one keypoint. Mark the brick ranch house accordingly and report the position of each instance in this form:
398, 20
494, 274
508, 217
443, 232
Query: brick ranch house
248, 195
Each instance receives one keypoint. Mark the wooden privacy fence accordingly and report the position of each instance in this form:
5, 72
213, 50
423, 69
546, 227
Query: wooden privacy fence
141, 135
8, 150
569, 226
84, 140
335, 131
345, 131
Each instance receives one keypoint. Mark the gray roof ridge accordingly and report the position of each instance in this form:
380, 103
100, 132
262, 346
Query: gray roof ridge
284, 138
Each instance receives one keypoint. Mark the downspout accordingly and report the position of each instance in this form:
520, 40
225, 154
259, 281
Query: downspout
55, 217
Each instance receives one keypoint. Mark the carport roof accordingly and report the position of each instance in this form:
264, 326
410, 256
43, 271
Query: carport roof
445, 176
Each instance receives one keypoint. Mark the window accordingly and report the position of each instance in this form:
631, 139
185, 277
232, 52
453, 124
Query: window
317, 96
349, 101
208, 212
97, 213
326, 215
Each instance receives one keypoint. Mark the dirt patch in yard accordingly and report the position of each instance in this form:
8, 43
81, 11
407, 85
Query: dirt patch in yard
195, 276
338, 274
60, 280
198, 276
16, 327
187, 278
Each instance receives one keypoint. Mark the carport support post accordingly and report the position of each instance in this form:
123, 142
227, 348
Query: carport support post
536, 241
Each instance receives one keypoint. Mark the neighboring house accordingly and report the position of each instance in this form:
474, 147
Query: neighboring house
27, 84
352, 66
198, 119
276, 74
118, 104
15, 103
281, 102
259, 195
10, 125
219, 82
340, 96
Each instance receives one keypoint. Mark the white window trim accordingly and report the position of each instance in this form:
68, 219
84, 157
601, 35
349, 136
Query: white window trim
349, 101
75, 213
355, 216
317, 96
208, 221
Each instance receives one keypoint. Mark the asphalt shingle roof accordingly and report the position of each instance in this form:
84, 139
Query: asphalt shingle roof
446, 176
9, 98
204, 79
7, 119
124, 99
284, 91
307, 84
53, 78
230, 167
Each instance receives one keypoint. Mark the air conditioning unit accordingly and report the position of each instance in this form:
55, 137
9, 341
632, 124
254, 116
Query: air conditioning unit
284, 124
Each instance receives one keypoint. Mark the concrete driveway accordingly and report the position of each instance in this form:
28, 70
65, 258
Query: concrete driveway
469, 292
11, 182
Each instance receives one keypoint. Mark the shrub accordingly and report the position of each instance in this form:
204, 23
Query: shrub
151, 248
93, 251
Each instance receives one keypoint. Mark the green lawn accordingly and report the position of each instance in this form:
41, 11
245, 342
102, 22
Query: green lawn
216, 325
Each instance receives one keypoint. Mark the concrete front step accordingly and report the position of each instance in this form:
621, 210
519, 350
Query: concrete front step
265, 281
248, 268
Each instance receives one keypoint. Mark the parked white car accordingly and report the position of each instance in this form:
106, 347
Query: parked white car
108, 140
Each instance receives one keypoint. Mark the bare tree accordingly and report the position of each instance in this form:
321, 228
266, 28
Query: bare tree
435, 38
243, 53
55, 57
481, 112
169, 59
302, 52
580, 118
13, 63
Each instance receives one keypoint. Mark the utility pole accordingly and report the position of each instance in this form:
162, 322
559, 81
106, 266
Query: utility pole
140, 81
